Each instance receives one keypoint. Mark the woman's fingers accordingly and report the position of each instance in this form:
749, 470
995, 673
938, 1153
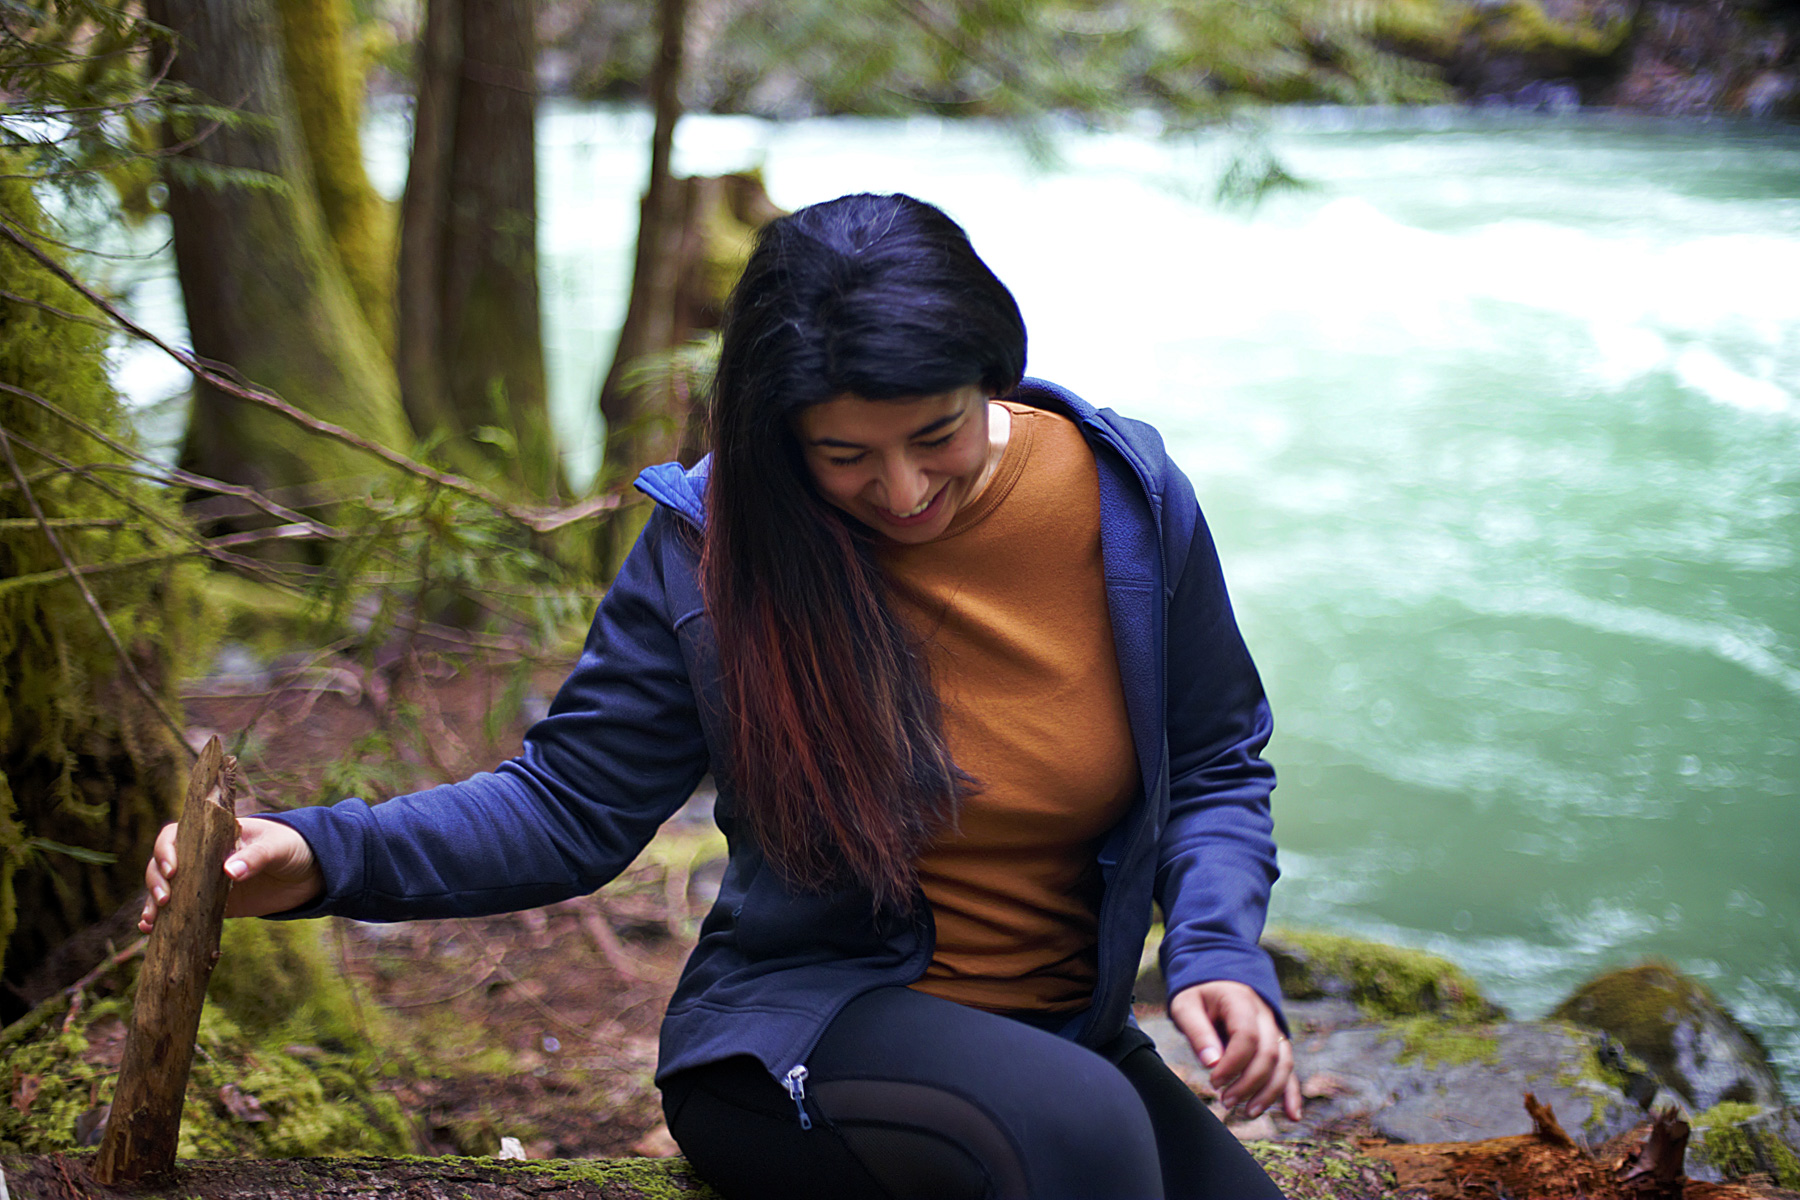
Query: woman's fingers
1275, 1084
1252, 1062
157, 873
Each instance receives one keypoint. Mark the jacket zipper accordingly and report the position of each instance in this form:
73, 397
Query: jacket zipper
795, 1082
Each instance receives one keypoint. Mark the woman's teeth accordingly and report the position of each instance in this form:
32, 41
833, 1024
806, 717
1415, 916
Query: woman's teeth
923, 505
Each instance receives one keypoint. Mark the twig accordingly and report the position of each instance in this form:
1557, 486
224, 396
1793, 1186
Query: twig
125, 660
75, 990
538, 520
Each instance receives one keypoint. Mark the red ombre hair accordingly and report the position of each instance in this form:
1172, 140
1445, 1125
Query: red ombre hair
837, 759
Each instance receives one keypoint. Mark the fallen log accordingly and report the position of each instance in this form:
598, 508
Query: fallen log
145, 1122
70, 1177
1548, 1164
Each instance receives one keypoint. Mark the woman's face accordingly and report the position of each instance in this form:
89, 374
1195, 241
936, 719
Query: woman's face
904, 468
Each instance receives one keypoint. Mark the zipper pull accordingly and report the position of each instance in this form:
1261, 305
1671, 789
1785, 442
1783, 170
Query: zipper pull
795, 1082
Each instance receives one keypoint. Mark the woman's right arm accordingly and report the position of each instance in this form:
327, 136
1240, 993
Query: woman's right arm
621, 749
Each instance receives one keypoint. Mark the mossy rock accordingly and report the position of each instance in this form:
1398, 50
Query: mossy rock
1679, 1028
1732, 1140
1383, 981
285, 1063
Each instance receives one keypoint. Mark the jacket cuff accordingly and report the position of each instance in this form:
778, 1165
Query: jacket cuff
1249, 965
334, 835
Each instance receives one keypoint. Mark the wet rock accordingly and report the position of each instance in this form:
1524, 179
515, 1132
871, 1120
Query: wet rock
1676, 1026
1426, 1080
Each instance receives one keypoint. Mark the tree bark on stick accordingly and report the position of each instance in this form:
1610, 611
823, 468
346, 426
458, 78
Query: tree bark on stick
145, 1125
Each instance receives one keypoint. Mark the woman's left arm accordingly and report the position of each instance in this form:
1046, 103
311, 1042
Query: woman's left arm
1216, 857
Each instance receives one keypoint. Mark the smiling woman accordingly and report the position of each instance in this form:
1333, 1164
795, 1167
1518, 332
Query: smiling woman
957, 650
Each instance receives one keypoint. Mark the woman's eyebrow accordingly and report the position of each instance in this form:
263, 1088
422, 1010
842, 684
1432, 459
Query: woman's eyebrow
925, 430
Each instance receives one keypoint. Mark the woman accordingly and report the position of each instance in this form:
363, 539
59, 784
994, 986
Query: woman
968, 680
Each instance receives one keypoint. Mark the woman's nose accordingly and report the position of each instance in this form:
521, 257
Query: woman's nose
905, 486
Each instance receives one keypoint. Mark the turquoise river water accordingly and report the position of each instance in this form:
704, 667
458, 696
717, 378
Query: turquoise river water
1497, 424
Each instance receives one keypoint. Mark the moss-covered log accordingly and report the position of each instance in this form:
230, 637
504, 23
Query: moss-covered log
1304, 1171
88, 772
469, 338
264, 289
329, 106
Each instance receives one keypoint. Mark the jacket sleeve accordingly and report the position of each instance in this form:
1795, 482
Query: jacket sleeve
620, 749
1216, 857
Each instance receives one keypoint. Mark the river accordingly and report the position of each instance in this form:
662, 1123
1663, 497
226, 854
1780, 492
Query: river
1497, 424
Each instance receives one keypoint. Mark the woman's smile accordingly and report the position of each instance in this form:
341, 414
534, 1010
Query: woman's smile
904, 467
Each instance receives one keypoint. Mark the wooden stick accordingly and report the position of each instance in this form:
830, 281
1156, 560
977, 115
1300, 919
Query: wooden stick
145, 1124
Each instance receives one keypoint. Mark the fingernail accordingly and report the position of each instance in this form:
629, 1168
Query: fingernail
1256, 1112
162, 894
1209, 1056
236, 868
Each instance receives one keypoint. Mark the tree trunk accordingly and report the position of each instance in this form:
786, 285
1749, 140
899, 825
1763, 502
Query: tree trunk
640, 428
87, 771
470, 341
264, 289
329, 105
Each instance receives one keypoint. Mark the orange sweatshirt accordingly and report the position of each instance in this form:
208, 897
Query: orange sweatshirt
1010, 605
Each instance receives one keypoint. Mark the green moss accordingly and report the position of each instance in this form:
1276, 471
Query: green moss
279, 1027
652, 1178
1726, 1112
1438, 1043
1323, 1171
1726, 1143
327, 73
1384, 981
1522, 26
278, 982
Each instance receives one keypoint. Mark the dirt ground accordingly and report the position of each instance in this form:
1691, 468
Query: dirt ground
539, 1025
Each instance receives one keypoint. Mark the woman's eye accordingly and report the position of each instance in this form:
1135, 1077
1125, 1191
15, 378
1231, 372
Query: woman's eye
936, 443
849, 461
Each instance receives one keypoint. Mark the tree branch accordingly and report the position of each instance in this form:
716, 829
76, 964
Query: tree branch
538, 520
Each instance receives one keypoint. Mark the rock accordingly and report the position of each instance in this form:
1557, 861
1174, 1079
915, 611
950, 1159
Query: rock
1382, 981
1672, 1022
1425, 1080
1731, 1141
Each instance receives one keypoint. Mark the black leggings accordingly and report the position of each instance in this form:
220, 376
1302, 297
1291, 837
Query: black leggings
909, 1096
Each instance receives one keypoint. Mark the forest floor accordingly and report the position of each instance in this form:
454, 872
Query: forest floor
539, 1025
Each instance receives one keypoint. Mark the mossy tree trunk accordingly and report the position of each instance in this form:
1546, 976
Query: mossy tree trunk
87, 770
329, 105
470, 343
265, 291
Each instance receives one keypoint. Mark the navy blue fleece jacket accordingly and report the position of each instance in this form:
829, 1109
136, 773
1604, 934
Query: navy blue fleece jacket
637, 724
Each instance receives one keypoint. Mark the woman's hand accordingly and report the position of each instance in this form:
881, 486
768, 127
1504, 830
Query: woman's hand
1237, 1039
272, 870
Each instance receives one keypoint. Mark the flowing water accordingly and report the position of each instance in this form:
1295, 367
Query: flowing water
1497, 425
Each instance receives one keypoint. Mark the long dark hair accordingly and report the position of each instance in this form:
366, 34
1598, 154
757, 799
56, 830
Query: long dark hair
837, 756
